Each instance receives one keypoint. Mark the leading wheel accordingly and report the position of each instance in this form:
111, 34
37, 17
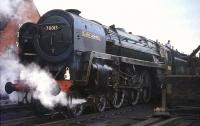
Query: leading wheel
76, 110
100, 103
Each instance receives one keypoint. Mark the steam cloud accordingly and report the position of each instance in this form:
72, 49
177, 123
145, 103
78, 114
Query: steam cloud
38, 79
8, 8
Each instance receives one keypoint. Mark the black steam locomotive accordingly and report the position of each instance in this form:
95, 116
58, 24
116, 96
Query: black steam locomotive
107, 65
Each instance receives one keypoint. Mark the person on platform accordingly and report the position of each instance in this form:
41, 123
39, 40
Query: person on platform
168, 44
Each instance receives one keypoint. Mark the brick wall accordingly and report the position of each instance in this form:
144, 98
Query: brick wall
25, 12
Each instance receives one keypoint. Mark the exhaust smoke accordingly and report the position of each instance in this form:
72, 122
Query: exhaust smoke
9, 9
45, 87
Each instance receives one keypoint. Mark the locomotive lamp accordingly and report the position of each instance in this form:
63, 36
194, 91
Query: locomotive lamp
67, 74
65, 84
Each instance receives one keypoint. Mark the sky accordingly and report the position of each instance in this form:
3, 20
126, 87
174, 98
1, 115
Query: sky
162, 20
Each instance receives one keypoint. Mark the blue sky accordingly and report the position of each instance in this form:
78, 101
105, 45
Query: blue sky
175, 20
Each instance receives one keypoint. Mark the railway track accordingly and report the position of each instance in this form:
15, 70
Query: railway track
113, 117
5, 102
138, 112
139, 115
15, 111
120, 119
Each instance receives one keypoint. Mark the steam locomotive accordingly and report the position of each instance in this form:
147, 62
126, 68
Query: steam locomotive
107, 65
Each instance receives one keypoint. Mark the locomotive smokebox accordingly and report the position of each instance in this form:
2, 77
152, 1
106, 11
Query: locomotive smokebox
10, 87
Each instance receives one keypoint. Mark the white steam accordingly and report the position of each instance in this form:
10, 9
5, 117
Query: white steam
39, 80
8, 8
17, 10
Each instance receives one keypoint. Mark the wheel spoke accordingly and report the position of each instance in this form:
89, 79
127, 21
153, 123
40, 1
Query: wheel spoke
135, 96
118, 98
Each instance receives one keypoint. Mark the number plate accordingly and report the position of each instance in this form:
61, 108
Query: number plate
51, 27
